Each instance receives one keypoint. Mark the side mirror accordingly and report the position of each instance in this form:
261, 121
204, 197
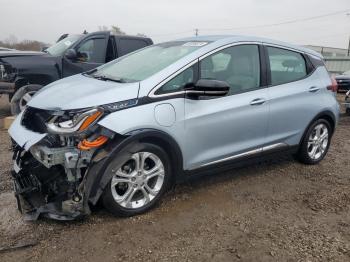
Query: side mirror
71, 54
43, 49
208, 87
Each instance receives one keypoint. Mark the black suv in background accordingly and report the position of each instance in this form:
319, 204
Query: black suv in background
23, 73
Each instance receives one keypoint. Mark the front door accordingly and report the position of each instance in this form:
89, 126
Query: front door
234, 126
91, 53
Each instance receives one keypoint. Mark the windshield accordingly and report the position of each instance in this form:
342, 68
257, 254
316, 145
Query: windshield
146, 62
60, 47
346, 73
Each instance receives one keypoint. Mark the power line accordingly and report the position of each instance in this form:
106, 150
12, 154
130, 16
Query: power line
170, 34
257, 26
280, 23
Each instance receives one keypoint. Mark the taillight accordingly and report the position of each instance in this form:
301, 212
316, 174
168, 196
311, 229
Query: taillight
334, 86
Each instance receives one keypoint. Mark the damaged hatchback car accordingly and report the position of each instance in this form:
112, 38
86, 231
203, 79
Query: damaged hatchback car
128, 130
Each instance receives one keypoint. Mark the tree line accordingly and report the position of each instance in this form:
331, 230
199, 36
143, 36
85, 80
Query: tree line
26, 45
34, 45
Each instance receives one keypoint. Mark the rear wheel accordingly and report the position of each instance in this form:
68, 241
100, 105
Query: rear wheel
316, 142
139, 182
22, 96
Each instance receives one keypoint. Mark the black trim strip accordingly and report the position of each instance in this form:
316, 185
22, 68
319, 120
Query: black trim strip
263, 67
315, 62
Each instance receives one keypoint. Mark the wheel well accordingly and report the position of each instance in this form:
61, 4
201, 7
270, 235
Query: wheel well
326, 116
174, 153
329, 119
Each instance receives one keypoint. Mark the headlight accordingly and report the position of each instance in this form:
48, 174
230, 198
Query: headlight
67, 123
347, 94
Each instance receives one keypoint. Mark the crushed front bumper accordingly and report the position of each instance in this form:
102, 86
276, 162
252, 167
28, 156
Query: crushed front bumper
47, 181
44, 191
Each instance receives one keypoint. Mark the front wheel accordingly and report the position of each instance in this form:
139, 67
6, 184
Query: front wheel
315, 144
22, 96
139, 182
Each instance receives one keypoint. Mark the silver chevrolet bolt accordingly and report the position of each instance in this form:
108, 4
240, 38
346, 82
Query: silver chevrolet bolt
125, 132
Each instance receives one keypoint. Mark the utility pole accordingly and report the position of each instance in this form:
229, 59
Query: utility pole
196, 31
348, 15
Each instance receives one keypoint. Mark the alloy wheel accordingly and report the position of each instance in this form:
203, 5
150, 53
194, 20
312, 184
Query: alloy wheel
138, 181
318, 142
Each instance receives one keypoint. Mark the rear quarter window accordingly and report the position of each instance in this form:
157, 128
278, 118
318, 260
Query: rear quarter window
286, 66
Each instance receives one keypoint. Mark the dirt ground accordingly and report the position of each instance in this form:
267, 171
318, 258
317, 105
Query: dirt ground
274, 211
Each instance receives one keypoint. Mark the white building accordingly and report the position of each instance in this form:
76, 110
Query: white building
337, 59
329, 51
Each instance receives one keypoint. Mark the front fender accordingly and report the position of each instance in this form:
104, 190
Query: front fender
122, 147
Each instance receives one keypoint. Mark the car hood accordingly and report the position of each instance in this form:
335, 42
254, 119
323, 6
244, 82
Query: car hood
81, 91
12, 53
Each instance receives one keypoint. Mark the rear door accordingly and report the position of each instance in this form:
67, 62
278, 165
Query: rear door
91, 52
295, 93
234, 126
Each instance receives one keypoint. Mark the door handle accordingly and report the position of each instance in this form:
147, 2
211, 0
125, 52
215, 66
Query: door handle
314, 89
257, 101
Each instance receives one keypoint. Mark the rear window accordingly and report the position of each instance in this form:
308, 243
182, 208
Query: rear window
129, 45
286, 66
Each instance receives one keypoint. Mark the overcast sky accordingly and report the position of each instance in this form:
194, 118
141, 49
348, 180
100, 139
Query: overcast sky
46, 20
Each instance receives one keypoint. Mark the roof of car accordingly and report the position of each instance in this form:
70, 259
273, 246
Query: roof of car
242, 38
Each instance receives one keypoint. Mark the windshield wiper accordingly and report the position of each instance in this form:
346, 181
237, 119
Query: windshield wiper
106, 78
90, 71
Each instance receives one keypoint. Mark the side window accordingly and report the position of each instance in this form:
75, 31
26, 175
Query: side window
178, 82
129, 45
239, 66
92, 50
220, 62
286, 66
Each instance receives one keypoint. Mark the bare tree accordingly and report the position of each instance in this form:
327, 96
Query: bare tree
11, 40
29, 45
116, 30
102, 28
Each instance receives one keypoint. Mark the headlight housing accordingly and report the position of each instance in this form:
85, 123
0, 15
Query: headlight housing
78, 121
73, 122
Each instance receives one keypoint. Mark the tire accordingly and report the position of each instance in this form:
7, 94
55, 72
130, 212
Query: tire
128, 180
308, 152
22, 97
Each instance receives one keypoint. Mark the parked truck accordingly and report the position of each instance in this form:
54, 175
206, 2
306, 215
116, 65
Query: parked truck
23, 73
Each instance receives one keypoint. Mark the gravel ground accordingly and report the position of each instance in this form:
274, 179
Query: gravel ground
274, 211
